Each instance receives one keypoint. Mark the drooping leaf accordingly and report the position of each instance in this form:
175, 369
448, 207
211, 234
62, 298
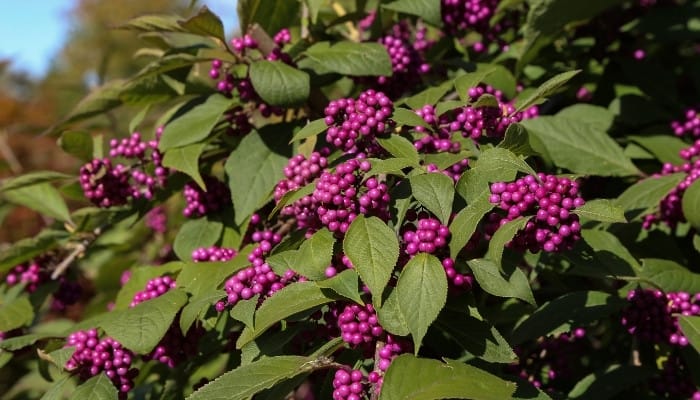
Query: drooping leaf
345, 284
31, 179
195, 124
412, 378
278, 84
399, 147
503, 235
196, 233
489, 277
205, 23
141, 328
517, 140
435, 192
390, 316
373, 249
465, 223
602, 210
422, 292
566, 313
348, 58
691, 329
255, 167
186, 159
580, 147
428, 10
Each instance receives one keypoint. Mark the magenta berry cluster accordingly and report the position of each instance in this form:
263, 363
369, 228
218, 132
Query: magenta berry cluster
439, 138
465, 16
549, 201
456, 279
651, 315
353, 124
675, 380
154, 288
205, 202
385, 355
670, 209
429, 236
342, 195
107, 184
93, 356
453, 172
32, 274
688, 127
349, 385
298, 173
358, 324
213, 254
157, 219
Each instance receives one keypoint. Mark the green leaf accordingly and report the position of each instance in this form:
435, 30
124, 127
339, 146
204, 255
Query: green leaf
500, 158
412, 378
389, 166
565, 313
670, 276
546, 89
446, 160
186, 159
315, 255
292, 299
244, 311
77, 143
245, 381
429, 96
31, 179
283, 261
602, 210
399, 147
470, 80
435, 192
421, 294
314, 6
345, 284
153, 23
465, 223
196, 233
691, 204
199, 278
348, 58
195, 124
648, 192
489, 277
197, 307
606, 384
390, 316
580, 147
503, 235
29, 248
312, 128
278, 84
58, 357
271, 15
403, 116
57, 389
664, 147
473, 185
517, 140
138, 280
141, 328
15, 314
476, 335
691, 329
205, 23
255, 167
428, 10
373, 249
20, 342
599, 116
42, 198
98, 101
99, 387
486, 100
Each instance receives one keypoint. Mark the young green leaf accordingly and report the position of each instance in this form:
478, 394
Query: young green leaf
517, 140
421, 294
503, 235
278, 84
141, 328
312, 128
500, 158
205, 23
315, 255
42, 197
487, 273
648, 192
602, 210
195, 124
99, 387
196, 233
435, 192
390, 316
465, 223
373, 249
345, 284
670, 276
186, 159
399, 147
412, 378
347, 58
15, 314
691, 204
428, 10
407, 117
691, 329
546, 89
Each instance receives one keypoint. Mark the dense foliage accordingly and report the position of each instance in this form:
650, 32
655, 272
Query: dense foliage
408, 199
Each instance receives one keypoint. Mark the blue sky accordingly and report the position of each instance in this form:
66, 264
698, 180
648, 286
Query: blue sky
32, 31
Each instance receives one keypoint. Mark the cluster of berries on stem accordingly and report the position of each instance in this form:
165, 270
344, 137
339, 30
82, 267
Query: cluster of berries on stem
202, 202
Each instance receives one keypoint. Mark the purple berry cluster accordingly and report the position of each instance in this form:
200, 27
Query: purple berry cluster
675, 381
456, 279
428, 236
200, 202
551, 360
386, 354
651, 315
342, 195
106, 184
349, 385
358, 324
689, 127
213, 254
154, 288
32, 274
437, 140
453, 172
93, 356
157, 219
550, 200
466, 16
670, 209
407, 59
298, 173
340, 263
353, 124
